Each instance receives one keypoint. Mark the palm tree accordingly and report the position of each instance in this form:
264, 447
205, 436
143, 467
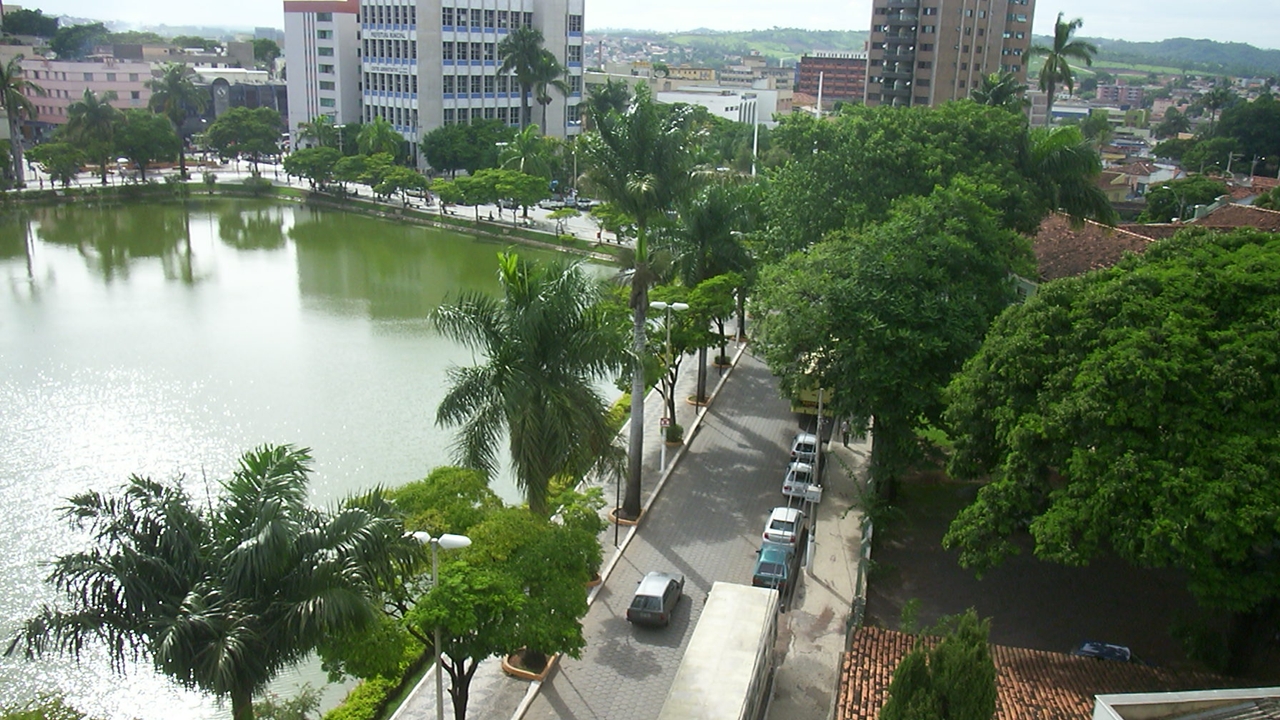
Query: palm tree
224, 595
13, 100
520, 51
547, 343
613, 96
1057, 67
1214, 100
380, 137
174, 94
91, 121
708, 245
548, 73
1001, 90
528, 152
321, 130
641, 162
1063, 166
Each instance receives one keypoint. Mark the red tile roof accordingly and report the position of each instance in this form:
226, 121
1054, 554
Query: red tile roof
1030, 684
1142, 169
1230, 217
1262, 183
1154, 231
1063, 251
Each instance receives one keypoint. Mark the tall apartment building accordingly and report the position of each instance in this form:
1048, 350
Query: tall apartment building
843, 75
426, 63
926, 52
322, 57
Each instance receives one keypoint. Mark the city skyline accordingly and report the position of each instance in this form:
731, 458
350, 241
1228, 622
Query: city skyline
1250, 21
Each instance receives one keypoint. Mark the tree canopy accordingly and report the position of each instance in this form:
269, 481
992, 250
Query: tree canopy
1178, 198
29, 22
1133, 411
146, 138
241, 131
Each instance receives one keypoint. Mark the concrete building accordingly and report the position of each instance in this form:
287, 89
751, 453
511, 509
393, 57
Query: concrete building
926, 52
65, 81
1120, 94
421, 64
843, 74
753, 106
323, 60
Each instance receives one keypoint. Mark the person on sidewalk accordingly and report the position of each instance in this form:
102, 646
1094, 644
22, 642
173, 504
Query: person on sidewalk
844, 433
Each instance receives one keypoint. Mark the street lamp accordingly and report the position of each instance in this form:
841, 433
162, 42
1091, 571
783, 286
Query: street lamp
448, 542
667, 308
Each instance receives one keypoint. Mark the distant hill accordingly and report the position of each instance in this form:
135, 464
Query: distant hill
1196, 56
709, 47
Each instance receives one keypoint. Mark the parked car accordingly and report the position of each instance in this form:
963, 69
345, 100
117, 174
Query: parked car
586, 204
786, 526
798, 480
508, 204
551, 204
773, 567
655, 600
804, 448
1104, 651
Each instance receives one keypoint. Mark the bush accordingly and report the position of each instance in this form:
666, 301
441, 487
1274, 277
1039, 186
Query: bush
210, 178
674, 433
366, 701
619, 412
259, 186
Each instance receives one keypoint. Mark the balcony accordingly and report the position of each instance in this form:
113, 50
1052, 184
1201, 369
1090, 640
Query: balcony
903, 19
903, 3
896, 89
896, 74
900, 38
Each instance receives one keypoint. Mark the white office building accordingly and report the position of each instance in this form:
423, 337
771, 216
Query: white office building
427, 63
322, 61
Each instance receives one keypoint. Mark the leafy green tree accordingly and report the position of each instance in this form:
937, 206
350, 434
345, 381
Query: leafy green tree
265, 51
1215, 100
1173, 123
400, 179
380, 137
48, 707
92, 122
60, 160
1213, 154
547, 344
315, 164
444, 148
220, 594
528, 152
472, 147
953, 680
241, 132
1057, 69
73, 42
1125, 412
146, 138
350, 169
1255, 126
521, 54
524, 189
29, 22
1097, 127
175, 95
1001, 90
195, 41
561, 216
1269, 200
1178, 198
714, 300
640, 162
890, 313
14, 89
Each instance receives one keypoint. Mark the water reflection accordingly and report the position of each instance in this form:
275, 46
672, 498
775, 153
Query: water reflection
110, 239
259, 228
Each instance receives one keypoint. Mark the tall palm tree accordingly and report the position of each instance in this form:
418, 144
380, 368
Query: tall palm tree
224, 595
547, 343
380, 137
640, 161
173, 95
613, 96
528, 152
1063, 166
1057, 66
548, 73
1001, 90
520, 51
1214, 100
14, 89
91, 121
321, 130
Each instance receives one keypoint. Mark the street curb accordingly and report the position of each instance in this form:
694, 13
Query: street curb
534, 688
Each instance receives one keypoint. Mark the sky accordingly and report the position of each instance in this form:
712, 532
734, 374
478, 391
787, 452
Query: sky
1256, 22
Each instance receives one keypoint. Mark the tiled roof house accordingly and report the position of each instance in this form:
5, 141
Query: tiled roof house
1030, 684
1065, 251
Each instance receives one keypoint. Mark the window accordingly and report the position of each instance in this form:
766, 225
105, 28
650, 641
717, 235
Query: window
528, 19
928, 29
446, 16
575, 54
326, 69
575, 84
324, 51
475, 84
88, 77
330, 85
449, 116
476, 49
922, 82
504, 83
413, 15
502, 19
1017, 17
926, 47
571, 115
488, 52
877, 62
968, 13
488, 113
135, 94
446, 51
449, 81
882, 11
930, 11
575, 23
925, 64
324, 34
324, 17
475, 18
504, 115
489, 19
982, 14
328, 102
488, 84
111, 77
413, 86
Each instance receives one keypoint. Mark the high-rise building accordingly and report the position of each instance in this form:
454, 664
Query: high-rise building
322, 61
843, 75
926, 52
422, 64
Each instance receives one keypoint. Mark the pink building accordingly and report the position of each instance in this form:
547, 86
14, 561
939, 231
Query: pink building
1120, 94
65, 81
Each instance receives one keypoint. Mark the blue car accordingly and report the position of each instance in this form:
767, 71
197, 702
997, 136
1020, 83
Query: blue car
773, 567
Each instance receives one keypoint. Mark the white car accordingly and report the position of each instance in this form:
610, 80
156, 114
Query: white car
786, 526
804, 447
798, 480
550, 204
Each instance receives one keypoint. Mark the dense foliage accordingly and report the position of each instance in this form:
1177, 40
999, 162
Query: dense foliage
1178, 198
1133, 411
953, 680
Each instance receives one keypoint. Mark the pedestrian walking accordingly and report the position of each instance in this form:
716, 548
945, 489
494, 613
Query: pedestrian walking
844, 433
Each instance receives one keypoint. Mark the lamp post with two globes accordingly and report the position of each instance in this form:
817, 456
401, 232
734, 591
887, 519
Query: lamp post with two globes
448, 542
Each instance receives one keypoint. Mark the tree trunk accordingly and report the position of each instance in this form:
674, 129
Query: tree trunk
241, 704
1048, 108
702, 375
15, 149
1249, 634
885, 457
742, 315
635, 459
